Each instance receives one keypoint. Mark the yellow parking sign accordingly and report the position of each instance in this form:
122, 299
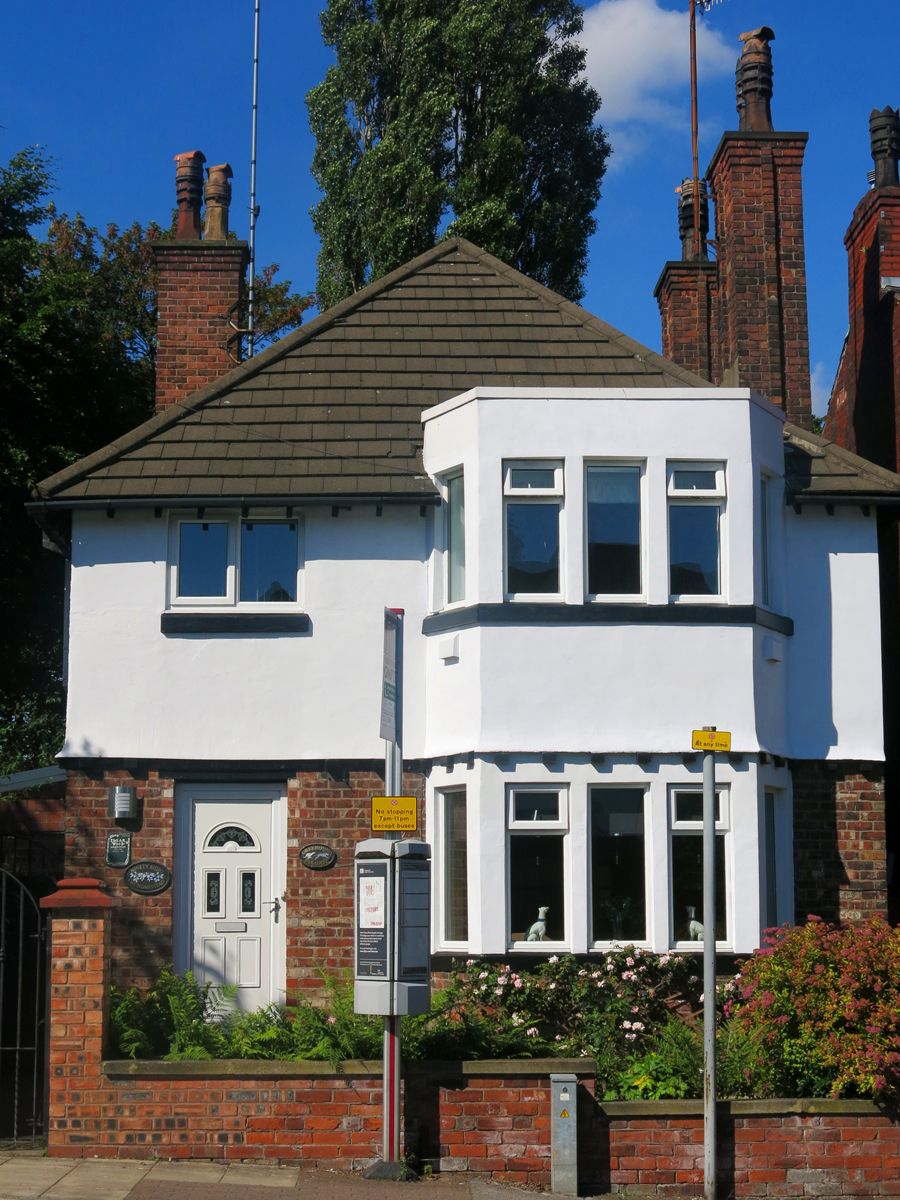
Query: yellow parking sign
391, 814
711, 739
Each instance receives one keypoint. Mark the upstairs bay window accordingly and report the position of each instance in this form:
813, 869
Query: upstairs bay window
533, 494
456, 539
614, 530
696, 505
228, 562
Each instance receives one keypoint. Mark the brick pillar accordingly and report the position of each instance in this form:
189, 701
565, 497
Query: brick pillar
79, 1001
199, 283
763, 329
840, 868
687, 297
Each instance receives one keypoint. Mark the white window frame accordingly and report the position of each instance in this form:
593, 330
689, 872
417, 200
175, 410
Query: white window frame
618, 597
695, 829
256, 848
223, 893
537, 496
766, 485
234, 522
715, 497
257, 910
446, 478
559, 828
615, 786
441, 795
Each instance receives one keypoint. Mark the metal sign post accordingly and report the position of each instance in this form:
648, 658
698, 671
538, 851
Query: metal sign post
709, 740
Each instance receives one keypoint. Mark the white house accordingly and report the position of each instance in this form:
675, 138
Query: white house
595, 551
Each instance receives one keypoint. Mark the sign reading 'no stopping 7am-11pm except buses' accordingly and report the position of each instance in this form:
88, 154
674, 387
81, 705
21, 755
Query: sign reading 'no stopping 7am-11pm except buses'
711, 739
393, 813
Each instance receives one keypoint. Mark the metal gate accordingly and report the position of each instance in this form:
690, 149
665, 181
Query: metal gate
22, 1012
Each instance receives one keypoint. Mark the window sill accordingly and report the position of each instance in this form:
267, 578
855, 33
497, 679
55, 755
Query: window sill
556, 613
253, 624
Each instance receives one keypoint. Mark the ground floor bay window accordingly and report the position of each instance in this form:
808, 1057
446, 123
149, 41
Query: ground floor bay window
547, 854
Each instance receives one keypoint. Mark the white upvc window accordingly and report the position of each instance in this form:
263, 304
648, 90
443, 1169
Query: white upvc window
765, 545
224, 560
455, 535
696, 498
533, 492
618, 863
454, 893
686, 866
537, 834
613, 524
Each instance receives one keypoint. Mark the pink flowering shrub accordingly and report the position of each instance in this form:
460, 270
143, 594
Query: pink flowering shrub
610, 1009
816, 1012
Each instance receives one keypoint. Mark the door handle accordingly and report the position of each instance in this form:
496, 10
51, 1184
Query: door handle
275, 908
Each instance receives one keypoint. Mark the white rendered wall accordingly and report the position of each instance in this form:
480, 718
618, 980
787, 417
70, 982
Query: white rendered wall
134, 692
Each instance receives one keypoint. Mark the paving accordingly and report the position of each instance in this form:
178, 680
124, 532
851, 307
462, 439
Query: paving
30, 1176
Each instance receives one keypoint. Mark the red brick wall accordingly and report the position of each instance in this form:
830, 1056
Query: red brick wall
198, 284
687, 299
839, 841
320, 903
763, 335
319, 911
79, 993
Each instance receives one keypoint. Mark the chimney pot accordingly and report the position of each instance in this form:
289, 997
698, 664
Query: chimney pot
753, 81
189, 190
217, 194
884, 133
686, 220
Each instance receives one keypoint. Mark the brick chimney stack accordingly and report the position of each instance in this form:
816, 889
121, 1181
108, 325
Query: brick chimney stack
200, 287
862, 413
742, 321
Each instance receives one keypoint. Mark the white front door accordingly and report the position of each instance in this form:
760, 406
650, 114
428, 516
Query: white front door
236, 895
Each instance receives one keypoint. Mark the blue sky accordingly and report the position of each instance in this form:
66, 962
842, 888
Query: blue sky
113, 90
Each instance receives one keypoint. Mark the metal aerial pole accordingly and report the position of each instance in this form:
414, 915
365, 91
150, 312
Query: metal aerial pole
694, 125
709, 971
254, 209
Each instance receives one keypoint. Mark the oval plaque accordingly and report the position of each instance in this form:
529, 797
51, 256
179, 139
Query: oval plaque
317, 856
147, 878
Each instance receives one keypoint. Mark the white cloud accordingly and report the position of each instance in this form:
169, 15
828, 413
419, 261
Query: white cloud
638, 58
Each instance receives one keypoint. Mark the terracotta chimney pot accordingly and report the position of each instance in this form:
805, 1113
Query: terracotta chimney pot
189, 189
754, 81
217, 194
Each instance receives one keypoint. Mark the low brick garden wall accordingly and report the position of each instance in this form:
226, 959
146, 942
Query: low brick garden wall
490, 1118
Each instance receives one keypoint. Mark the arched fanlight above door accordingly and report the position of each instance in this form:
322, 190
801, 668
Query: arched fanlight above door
232, 837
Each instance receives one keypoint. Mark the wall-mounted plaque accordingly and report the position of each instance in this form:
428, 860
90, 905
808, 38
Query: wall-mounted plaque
147, 878
318, 857
118, 849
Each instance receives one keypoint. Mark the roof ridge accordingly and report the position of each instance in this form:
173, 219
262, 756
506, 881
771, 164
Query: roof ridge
860, 466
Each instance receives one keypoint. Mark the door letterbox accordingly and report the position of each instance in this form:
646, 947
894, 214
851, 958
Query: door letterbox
392, 900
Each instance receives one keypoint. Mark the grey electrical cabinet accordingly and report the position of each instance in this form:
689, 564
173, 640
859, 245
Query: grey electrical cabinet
392, 901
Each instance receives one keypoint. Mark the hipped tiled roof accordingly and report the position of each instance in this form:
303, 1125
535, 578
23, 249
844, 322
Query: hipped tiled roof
334, 408
816, 470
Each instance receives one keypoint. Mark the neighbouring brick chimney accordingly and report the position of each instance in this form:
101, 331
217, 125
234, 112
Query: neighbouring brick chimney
862, 414
201, 282
742, 320
686, 293
755, 181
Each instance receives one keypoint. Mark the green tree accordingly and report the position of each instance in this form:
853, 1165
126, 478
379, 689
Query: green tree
469, 113
77, 370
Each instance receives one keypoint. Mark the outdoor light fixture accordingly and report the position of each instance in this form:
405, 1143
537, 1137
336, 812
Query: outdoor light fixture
123, 803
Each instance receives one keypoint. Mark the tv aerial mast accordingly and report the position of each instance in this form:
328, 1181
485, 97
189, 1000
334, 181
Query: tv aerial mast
254, 207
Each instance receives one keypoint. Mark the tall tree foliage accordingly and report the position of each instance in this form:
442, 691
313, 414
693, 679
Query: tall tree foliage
473, 114
77, 370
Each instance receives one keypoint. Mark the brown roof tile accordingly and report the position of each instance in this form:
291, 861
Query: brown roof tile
335, 407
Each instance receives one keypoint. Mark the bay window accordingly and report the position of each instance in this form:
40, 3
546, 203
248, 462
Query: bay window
686, 840
456, 539
456, 889
533, 501
696, 505
614, 530
538, 823
618, 889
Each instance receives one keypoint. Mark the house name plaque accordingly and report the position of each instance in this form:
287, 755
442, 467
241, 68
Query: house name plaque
147, 878
118, 849
317, 856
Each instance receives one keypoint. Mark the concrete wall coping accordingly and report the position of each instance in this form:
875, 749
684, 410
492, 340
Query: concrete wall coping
256, 1068
619, 1109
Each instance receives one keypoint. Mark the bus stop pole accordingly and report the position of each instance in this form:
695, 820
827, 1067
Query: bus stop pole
391, 1064
709, 972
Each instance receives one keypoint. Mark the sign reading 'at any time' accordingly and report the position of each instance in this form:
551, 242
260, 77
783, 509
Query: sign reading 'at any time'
391, 814
711, 739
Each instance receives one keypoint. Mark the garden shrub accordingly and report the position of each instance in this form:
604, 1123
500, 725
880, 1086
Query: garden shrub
818, 1011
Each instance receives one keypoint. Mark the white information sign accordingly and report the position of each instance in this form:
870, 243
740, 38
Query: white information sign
371, 903
389, 722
